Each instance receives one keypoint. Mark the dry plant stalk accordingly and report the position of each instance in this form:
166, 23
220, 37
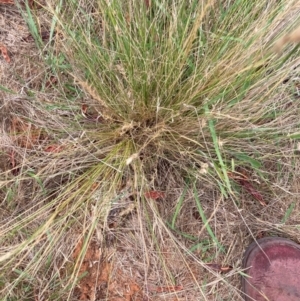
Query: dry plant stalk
293, 37
91, 91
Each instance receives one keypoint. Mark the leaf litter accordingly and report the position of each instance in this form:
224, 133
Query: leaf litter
99, 279
243, 180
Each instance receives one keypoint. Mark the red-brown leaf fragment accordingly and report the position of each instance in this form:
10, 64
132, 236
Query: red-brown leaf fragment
54, 148
4, 53
219, 268
147, 3
243, 179
84, 108
51, 82
249, 187
6, 1
154, 195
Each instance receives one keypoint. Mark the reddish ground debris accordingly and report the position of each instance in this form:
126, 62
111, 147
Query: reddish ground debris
154, 195
4, 52
100, 281
219, 268
51, 82
244, 180
31, 3
6, 1
25, 134
53, 148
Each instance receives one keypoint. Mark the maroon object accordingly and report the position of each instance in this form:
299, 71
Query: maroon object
273, 268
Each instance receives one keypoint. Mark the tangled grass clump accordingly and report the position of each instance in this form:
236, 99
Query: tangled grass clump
150, 97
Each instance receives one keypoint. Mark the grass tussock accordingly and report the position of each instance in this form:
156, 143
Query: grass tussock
145, 120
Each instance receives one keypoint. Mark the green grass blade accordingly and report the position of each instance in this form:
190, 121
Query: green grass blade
6, 90
205, 221
178, 207
288, 213
217, 149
